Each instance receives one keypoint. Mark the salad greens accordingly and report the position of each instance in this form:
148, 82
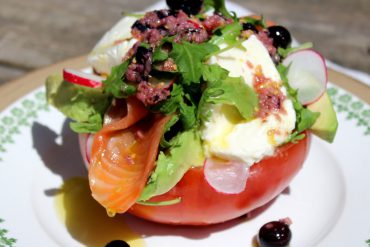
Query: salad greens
186, 152
256, 21
285, 52
228, 34
228, 90
159, 55
218, 5
115, 84
189, 57
195, 85
84, 105
180, 101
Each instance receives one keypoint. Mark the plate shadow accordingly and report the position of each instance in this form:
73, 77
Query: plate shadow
59, 153
84, 217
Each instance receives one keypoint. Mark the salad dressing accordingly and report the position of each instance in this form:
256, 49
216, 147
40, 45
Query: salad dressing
86, 221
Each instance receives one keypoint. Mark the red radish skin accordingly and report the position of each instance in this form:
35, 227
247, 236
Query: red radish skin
82, 79
308, 74
85, 141
82, 141
89, 142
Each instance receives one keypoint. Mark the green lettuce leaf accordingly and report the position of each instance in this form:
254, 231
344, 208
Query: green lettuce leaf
227, 90
84, 105
92, 125
168, 131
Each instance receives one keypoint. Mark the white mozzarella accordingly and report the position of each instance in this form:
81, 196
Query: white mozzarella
236, 61
227, 136
113, 46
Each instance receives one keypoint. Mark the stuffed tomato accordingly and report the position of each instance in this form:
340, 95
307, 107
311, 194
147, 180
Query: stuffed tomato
130, 146
200, 116
201, 204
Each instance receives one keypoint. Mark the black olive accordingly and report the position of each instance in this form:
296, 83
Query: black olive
250, 26
117, 243
143, 54
141, 27
190, 7
280, 35
161, 14
173, 12
274, 234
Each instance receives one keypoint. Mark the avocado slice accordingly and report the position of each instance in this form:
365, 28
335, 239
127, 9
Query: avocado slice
326, 124
171, 166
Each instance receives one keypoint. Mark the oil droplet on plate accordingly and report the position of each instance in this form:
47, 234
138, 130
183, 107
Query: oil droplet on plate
87, 221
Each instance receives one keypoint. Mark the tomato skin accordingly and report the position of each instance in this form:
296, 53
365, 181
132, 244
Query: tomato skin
202, 205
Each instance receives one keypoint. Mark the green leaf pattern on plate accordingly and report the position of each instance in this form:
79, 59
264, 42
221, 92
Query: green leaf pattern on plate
24, 112
21, 115
4, 240
353, 108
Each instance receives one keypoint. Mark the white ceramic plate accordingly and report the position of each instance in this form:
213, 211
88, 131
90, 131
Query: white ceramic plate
40, 165
45, 199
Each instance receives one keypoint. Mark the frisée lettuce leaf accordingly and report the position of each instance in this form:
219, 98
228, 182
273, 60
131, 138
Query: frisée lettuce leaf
86, 106
227, 90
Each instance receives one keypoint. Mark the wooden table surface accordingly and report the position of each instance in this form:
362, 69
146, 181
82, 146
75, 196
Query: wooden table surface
37, 33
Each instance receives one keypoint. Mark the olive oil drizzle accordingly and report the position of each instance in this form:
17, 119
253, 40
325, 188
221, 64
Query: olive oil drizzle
88, 222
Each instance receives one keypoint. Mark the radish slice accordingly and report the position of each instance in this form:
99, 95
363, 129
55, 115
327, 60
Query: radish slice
308, 74
227, 177
81, 78
86, 141
89, 143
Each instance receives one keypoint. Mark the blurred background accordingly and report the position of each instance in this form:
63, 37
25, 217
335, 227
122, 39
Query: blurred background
37, 33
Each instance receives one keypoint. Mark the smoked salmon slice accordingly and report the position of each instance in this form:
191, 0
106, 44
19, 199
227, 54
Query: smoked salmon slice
123, 155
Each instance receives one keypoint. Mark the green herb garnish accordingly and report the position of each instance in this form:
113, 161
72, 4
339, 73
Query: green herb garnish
256, 22
285, 52
189, 57
219, 7
115, 84
162, 203
228, 34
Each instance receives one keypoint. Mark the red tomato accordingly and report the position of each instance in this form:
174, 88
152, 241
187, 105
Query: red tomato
201, 204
